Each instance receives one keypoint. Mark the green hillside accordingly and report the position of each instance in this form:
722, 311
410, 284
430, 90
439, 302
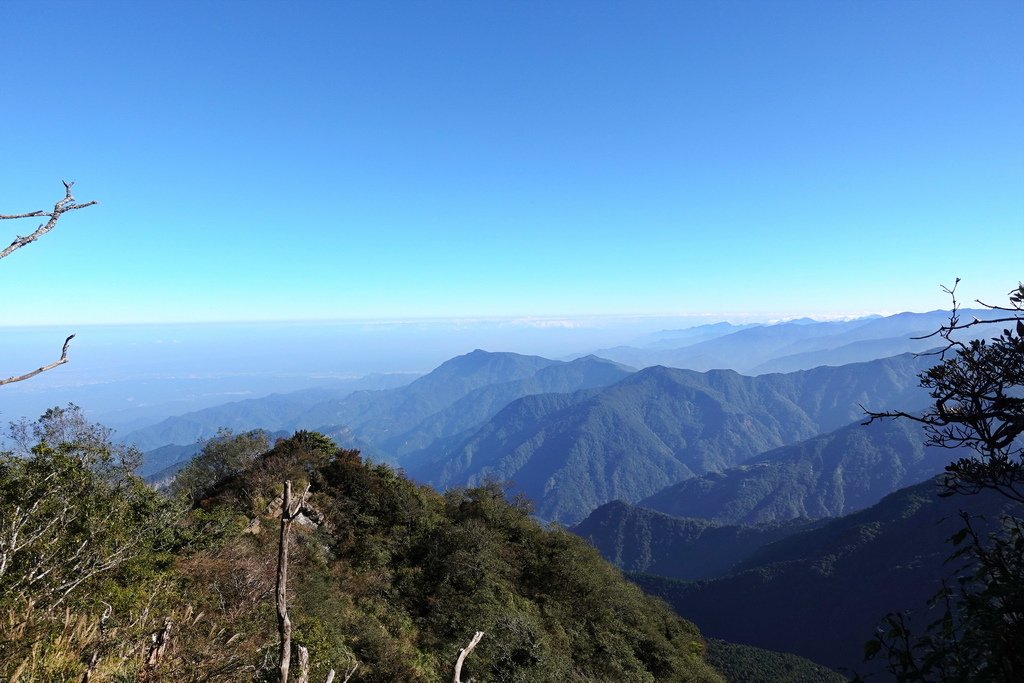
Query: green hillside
383, 572
748, 664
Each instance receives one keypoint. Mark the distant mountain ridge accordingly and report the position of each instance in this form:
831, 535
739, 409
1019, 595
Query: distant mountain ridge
792, 345
570, 453
273, 412
456, 396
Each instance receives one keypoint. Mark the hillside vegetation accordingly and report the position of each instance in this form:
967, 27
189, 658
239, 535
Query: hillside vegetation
386, 573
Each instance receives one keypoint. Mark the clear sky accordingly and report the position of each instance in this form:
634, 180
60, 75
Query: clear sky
320, 160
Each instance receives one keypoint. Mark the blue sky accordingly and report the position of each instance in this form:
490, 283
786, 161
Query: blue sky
326, 160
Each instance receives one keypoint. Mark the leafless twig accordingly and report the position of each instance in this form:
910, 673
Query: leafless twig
60, 361
59, 209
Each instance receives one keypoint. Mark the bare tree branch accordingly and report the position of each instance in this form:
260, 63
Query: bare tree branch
59, 209
60, 361
978, 393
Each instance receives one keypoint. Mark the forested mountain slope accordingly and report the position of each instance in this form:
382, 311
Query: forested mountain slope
820, 593
384, 573
829, 475
636, 539
570, 453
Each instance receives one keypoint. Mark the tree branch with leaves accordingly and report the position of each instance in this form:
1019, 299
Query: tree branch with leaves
978, 393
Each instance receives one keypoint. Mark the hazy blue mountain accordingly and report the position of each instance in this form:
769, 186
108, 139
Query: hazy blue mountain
570, 453
161, 463
457, 396
273, 412
740, 350
637, 539
828, 475
377, 416
854, 352
674, 339
820, 593
796, 345
479, 405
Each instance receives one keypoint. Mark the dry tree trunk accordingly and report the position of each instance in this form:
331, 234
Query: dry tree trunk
303, 664
284, 624
463, 653
159, 645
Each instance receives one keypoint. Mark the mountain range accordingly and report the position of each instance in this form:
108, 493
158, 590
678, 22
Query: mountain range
384, 423
788, 346
569, 453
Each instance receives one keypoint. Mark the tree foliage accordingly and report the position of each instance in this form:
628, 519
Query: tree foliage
78, 533
222, 456
978, 392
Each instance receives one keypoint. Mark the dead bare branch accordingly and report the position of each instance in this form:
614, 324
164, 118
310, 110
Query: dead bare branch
28, 375
303, 665
59, 209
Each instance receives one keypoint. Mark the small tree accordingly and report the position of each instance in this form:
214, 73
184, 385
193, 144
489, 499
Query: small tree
223, 455
978, 393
